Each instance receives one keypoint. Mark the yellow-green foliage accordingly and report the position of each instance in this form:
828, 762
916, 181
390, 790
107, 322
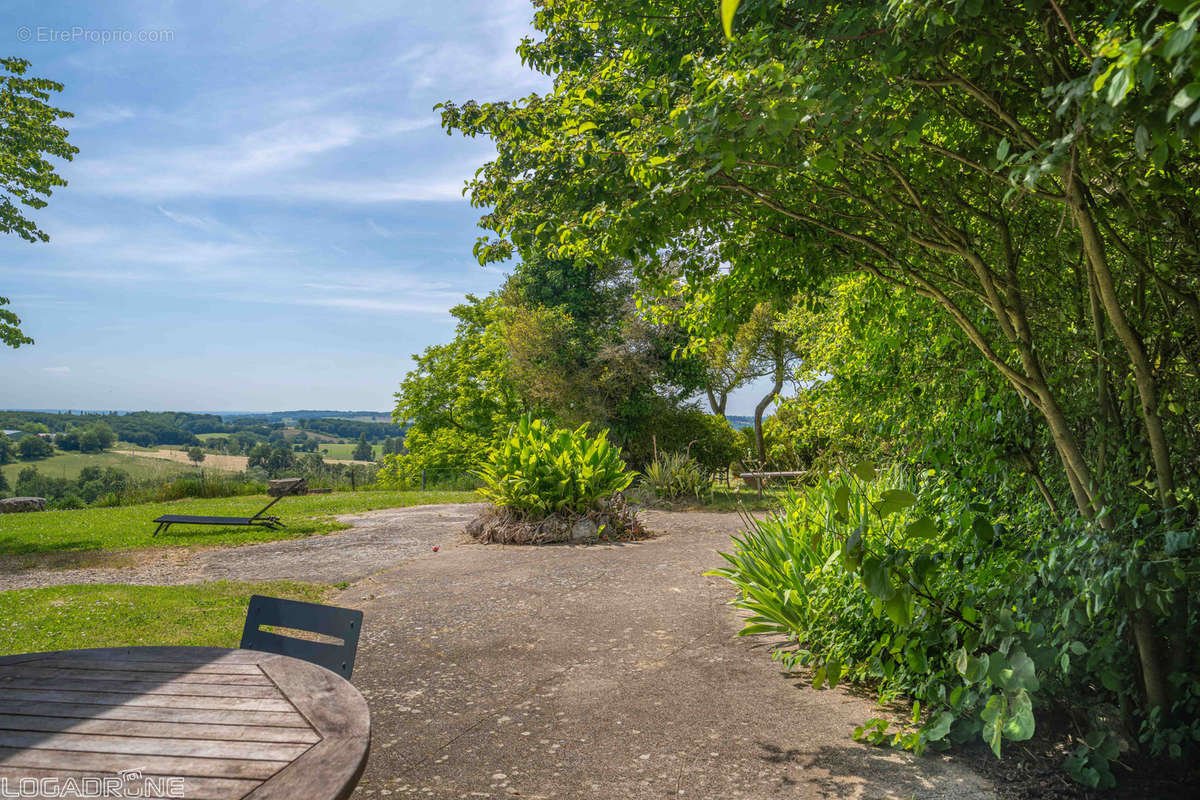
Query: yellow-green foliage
540, 470
675, 475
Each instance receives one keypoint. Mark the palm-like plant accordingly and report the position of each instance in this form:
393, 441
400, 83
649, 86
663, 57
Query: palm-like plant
538, 470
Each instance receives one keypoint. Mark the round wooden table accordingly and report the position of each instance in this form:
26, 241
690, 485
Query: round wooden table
194, 722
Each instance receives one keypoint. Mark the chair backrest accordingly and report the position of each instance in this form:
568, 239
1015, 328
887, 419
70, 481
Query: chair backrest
339, 623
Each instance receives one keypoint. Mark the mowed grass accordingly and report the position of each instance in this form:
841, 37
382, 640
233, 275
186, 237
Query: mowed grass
344, 451
99, 615
69, 465
129, 527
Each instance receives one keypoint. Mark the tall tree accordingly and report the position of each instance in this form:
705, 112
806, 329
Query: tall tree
28, 133
960, 155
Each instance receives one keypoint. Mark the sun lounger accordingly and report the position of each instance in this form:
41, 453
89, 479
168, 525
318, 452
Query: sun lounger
278, 489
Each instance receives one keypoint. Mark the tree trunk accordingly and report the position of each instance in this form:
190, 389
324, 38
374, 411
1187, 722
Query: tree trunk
1093, 246
717, 401
776, 388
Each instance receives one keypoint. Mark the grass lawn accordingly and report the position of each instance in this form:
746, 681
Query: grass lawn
131, 527
99, 615
344, 451
69, 465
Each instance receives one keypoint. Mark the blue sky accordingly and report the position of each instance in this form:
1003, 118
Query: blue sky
264, 212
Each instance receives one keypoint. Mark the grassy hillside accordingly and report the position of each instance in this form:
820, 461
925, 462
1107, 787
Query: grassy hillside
132, 527
68, 465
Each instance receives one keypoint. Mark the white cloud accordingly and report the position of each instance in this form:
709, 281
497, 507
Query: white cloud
59, 371
274, 161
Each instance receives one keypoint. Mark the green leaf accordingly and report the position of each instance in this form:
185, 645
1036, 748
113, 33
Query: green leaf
939, 726
841, 503
852, 550
1119, 85
899, 497
875, 578
899, 607
833, 672
1141, 141
1019, 725
921, 528
865, 470
728, 9
1179, 40
1183, 98
983, 530
1021, 673
994, 716
1002, 150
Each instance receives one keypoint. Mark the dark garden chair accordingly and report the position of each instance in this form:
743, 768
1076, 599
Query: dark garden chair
331, 621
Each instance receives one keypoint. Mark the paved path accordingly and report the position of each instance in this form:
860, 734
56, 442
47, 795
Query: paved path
607, 672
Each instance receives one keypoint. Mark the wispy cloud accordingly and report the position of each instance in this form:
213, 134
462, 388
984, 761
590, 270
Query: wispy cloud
428, 306
101, 116
59, 371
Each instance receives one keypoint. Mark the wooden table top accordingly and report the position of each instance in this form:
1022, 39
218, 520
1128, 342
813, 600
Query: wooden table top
194, 722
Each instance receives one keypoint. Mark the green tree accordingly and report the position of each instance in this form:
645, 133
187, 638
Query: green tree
31, 133
1025, 173
31, 447
8, 451
362, 450
195, 455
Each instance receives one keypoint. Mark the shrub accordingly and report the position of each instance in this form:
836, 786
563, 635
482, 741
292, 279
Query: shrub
983, 617
710, 439
447, 456
676, 475
537, 470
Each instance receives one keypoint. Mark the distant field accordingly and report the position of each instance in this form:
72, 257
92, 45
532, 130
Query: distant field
131, 526
345, 450
68, 465
211, 460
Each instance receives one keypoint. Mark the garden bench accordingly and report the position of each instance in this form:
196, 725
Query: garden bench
759, 479
278, 489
